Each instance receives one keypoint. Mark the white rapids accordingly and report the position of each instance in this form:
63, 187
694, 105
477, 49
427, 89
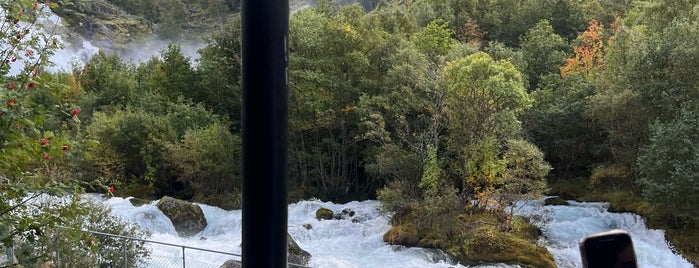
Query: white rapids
357, 241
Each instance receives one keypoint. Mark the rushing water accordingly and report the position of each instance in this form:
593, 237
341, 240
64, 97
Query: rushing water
567, 224
357, 241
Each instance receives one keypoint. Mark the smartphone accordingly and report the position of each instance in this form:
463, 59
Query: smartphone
610, 249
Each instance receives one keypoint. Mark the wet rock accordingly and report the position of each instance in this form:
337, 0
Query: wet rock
231, 264
187, 218
137, 202
296, 255
555, 201
324, 214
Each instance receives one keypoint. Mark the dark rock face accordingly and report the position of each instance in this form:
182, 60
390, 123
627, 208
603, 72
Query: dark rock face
187, 218
324, 214
295, 255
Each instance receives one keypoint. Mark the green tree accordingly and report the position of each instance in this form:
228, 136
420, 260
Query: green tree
484, 97
543, 51
136, 139
39, 137
525, 174
482, 172
219, 70
668, 167
109, 82
658, 14
559, 123
435, 39
333, 66
208, 160
174, 75
648, 76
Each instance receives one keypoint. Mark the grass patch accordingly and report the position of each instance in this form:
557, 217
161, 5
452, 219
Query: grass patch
488, 245
473, 239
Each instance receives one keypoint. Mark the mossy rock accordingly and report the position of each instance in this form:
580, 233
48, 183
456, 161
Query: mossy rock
488, 245
324, 214
187, 218
404, 235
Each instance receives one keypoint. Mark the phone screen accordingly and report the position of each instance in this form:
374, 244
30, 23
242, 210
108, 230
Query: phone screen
609, 250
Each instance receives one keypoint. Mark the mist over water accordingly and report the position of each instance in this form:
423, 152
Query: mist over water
77, 51
357, 241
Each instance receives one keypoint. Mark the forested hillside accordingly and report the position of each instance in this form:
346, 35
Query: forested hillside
440, 109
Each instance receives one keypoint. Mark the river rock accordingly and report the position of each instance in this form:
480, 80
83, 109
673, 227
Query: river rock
231, 264
324, 214
555, 201
295, 255
345, 214
187, 218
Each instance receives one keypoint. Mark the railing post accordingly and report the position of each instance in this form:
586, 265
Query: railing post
184, 263
123, 250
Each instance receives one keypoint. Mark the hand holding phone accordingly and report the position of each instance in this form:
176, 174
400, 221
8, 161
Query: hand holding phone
609, 249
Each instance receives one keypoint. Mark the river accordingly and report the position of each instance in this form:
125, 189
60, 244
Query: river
357, 241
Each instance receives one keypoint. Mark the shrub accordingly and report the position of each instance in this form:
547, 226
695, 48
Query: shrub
208, 160
66, 244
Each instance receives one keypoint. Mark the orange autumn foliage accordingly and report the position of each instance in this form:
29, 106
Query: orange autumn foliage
589, 55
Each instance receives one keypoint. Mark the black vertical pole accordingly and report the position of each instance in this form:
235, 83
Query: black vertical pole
265, 125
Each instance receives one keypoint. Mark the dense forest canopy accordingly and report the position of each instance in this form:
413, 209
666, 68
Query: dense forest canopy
461, 100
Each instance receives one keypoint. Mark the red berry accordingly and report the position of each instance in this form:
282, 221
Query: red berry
31, 84
44, 142
12, 86
46, 156
65, 148
19, 36
11, 103
75, 112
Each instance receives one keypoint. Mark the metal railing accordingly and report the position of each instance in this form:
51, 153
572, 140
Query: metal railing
176, 261
170, 261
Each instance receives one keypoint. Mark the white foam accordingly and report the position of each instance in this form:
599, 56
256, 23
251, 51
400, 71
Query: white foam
359, 243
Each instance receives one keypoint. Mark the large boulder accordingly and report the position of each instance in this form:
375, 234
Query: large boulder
187, 218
